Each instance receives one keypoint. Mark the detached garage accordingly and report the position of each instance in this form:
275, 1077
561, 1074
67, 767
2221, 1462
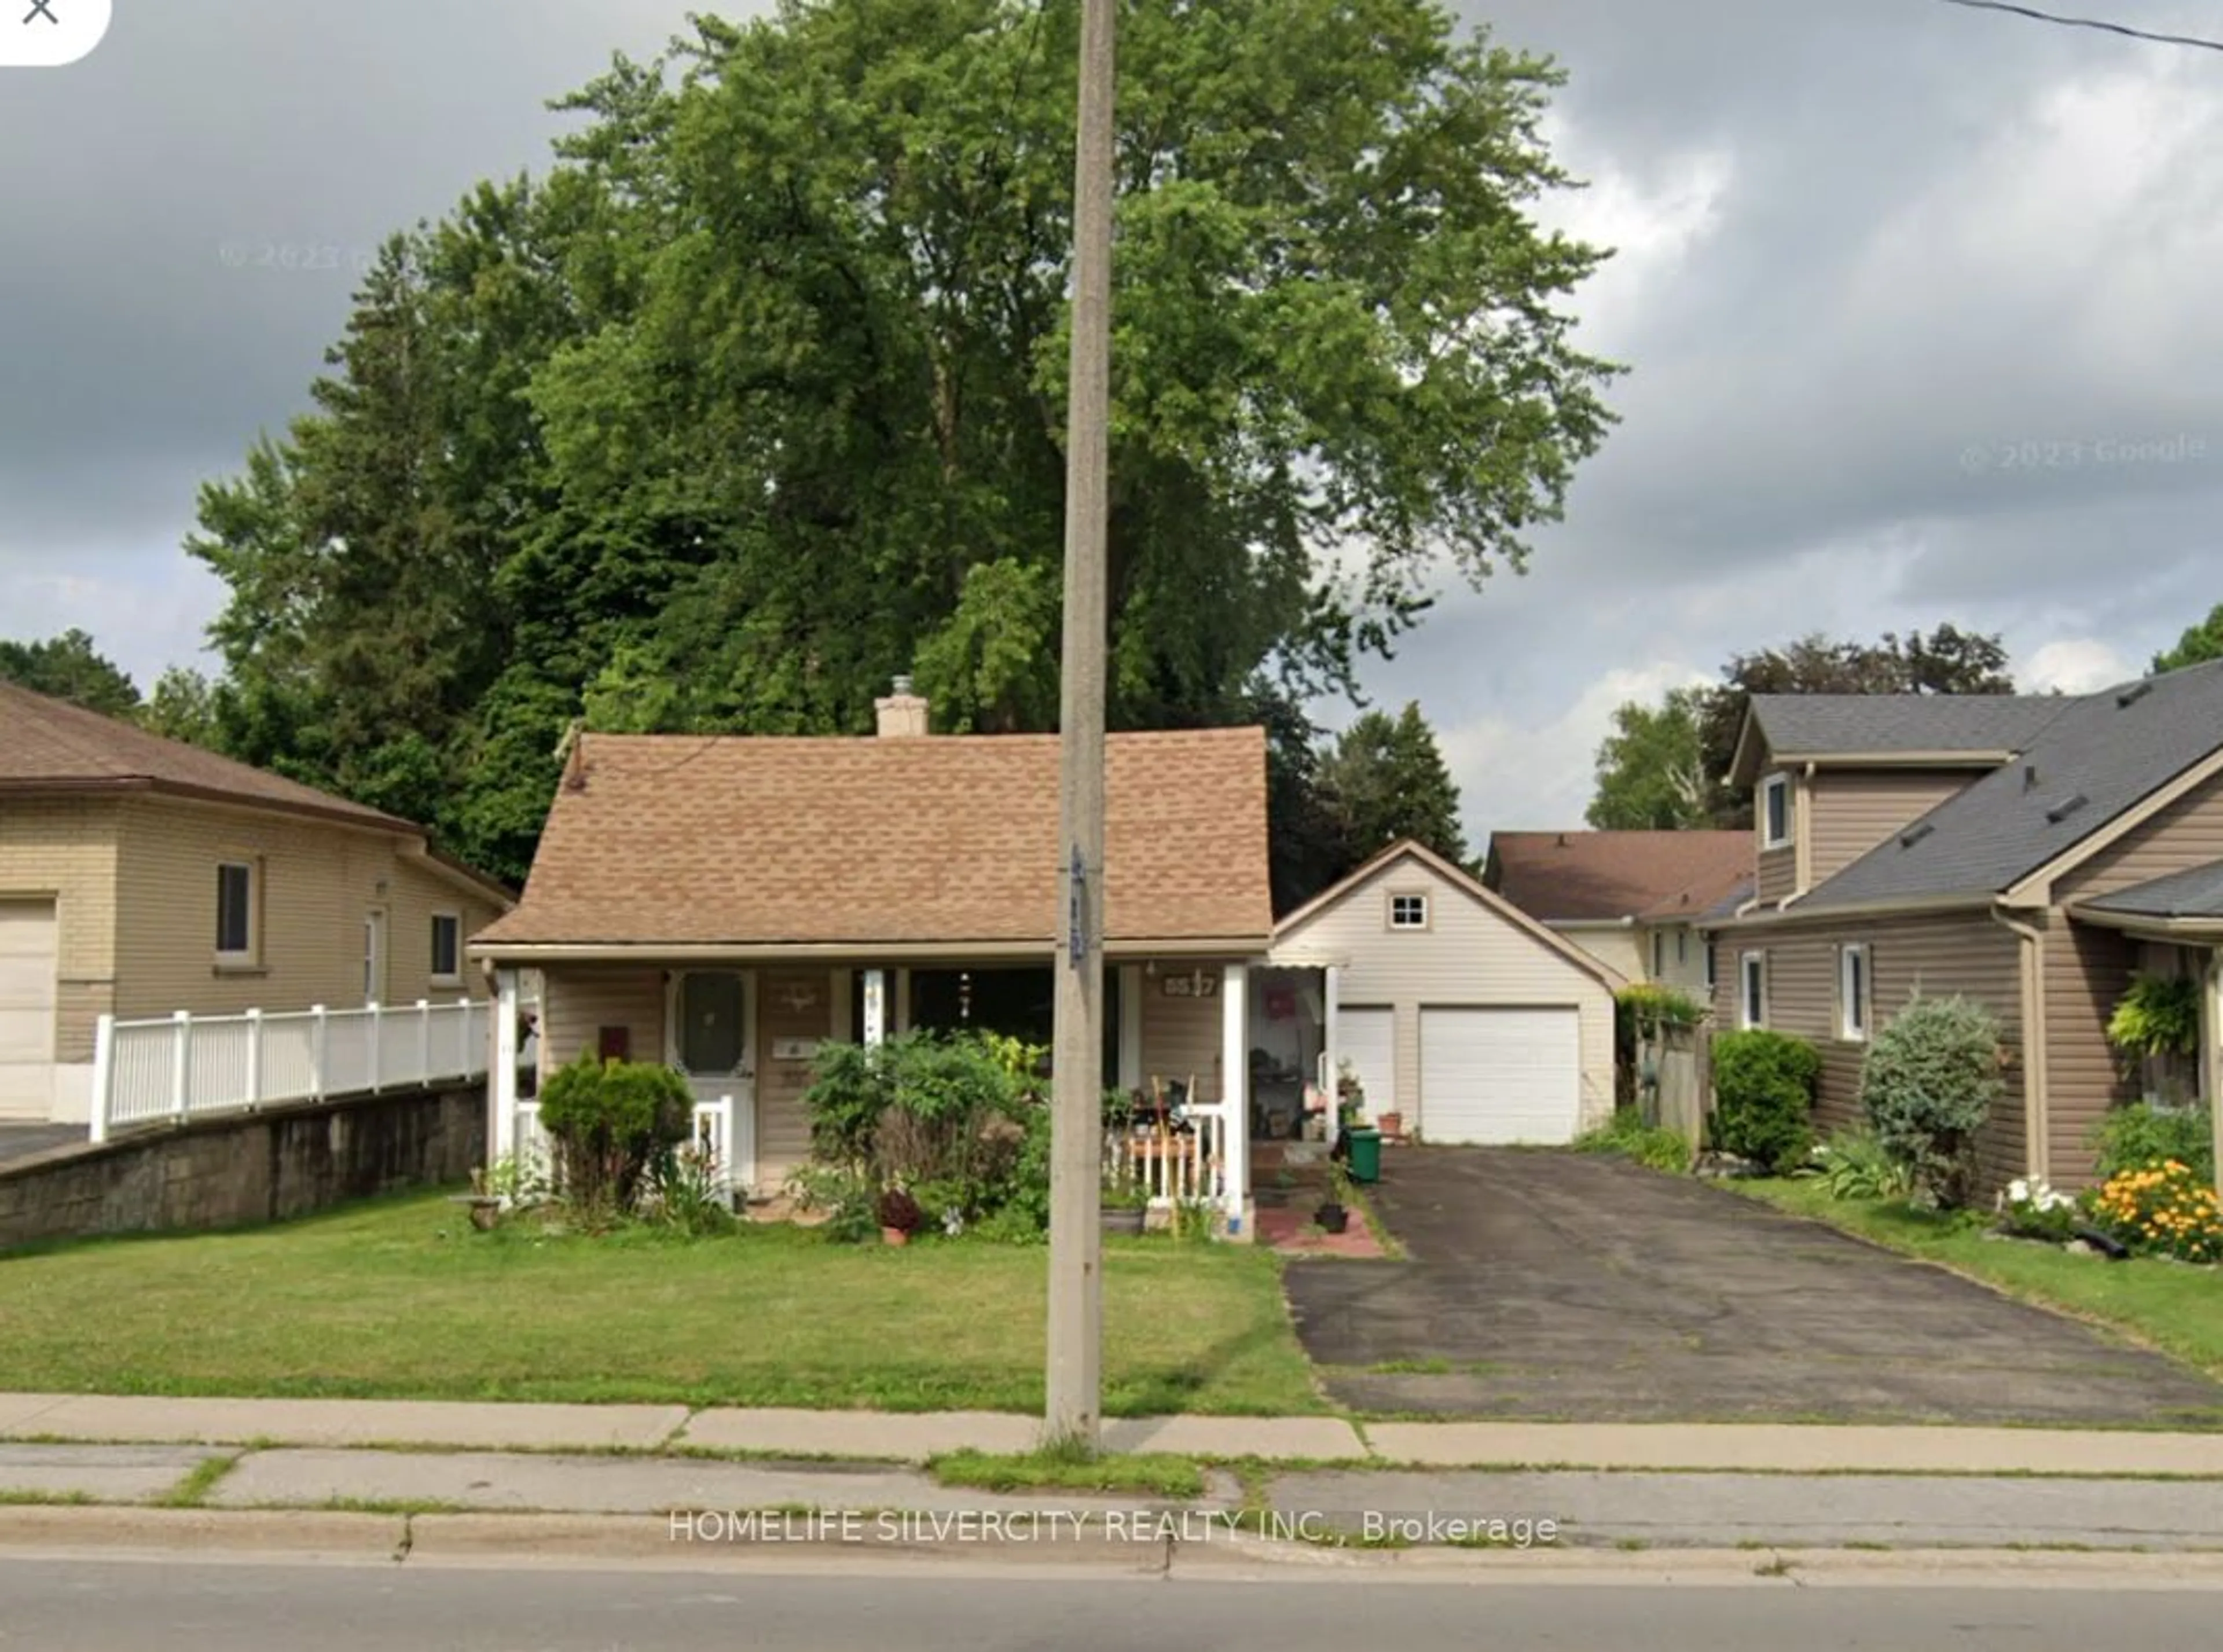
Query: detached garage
28, 953
1455, 1009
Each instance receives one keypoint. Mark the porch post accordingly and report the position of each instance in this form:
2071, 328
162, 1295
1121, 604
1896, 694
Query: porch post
1130, 1074
502, 1086
876, 1007
1235, 1087
2210, 1055
1330, 1056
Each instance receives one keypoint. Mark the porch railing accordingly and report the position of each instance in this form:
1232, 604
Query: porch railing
1177, 1166
184, 1066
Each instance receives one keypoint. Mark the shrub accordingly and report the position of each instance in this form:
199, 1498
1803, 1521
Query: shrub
613, 1123
2162, 1210
2034, 1210
1629, 1136
1647, 1004
1854, 1166
685, 1194
844, 1197
1764, 1098
1927, 1087
2139, 1135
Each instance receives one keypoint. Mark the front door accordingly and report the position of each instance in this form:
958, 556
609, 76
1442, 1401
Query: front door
374, 957
712, 1043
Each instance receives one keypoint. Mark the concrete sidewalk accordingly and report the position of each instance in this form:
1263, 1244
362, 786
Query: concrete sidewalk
914, 1437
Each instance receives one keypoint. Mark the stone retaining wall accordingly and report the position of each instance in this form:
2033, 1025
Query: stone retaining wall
238, 1170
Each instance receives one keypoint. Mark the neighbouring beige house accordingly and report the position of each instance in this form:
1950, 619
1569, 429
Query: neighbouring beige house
1465, 1017
1636, 901
2032, 852
728, 903
140, 877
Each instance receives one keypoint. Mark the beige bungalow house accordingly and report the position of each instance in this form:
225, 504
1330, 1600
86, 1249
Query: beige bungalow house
141, 879
2032, 852
727, 903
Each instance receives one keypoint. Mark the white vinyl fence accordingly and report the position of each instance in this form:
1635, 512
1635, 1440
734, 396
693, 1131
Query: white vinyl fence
1178, 1167
187, 1066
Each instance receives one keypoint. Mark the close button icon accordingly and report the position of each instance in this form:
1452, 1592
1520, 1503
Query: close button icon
52, 34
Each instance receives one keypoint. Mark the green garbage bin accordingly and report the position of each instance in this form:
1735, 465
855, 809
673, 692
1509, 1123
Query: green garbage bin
1366, 1155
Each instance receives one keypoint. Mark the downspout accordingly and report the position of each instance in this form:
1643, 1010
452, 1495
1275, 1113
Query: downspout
2038, 1138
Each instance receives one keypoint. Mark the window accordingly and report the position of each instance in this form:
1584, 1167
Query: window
1682, 946
447, 948
1409, 912
235, 911
1853, 994
1752, 1011
1713, 969
1659, 953
1775, 811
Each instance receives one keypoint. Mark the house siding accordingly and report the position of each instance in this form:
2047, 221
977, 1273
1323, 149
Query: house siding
2086, 971
66, 848
315, 885
1971, 955
1686, 973
1778, 872
1470, 954
790, 1004
1182, 1036
577, 1001
1852, 810
1618, 947
2186, 834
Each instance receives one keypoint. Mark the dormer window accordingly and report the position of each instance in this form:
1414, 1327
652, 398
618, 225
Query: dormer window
1775, 812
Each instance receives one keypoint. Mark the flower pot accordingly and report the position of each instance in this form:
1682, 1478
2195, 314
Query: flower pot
1123, 1219
1392, 1125
1331, 1217
895, 1236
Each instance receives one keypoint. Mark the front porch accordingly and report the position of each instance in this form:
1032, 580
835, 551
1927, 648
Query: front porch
746, 1034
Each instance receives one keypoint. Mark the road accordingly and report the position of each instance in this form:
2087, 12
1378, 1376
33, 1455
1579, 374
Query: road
64, 1605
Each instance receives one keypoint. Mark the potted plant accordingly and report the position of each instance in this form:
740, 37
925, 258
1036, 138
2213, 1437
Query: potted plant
900, 1216
1333, 1215
2156, 1024
1126, 1204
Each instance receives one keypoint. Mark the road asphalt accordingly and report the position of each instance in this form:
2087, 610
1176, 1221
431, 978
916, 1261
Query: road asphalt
196, 1606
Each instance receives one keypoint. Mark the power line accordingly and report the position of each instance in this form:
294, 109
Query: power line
2124, 29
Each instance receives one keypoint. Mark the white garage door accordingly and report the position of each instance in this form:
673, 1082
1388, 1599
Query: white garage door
1366, 1039
1501, 1076
27, 1009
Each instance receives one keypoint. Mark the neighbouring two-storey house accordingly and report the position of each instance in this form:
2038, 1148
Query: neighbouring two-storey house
2032, 852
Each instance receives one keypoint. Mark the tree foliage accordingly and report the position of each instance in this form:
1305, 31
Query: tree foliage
757, 400
1385, 780
69, 667
1644, 767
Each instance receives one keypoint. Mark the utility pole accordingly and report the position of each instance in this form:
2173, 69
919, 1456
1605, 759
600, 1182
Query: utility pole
1076, 1240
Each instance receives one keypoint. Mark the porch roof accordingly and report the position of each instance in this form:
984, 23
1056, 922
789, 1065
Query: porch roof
2191, 901
943, 844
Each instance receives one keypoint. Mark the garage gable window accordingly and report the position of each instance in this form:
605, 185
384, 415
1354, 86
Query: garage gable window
1853, 994
235, 911
1753, 1007
1409, 912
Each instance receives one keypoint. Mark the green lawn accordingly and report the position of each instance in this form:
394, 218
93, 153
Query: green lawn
400, 1298
2176, 1309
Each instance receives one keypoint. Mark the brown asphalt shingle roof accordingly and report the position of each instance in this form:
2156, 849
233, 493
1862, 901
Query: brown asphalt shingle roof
731, 841
49, 744
1591, 876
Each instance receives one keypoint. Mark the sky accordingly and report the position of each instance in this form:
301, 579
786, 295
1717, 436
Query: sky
1916, 299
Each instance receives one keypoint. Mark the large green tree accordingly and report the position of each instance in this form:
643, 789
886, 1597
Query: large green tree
2199, 643
69, 667
758, 399
1650, 769
1385, 779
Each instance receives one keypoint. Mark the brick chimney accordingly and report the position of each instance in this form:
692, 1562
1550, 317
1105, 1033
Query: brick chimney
903, 714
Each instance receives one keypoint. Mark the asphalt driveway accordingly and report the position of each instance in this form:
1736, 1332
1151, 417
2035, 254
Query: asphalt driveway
1561, 1285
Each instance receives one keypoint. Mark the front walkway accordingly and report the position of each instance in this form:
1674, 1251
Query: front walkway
1550, 1285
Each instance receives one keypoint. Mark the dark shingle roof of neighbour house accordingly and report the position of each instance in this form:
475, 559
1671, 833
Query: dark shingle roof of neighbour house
1593, 876
1881, 725
2101, 755
2194, 894
1727, 907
